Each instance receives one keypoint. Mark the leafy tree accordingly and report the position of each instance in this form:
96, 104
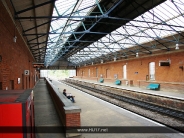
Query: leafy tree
58, 74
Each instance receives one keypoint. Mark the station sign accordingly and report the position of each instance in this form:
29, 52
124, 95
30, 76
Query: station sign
26, 72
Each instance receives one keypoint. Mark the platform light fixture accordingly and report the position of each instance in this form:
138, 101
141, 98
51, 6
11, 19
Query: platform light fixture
177, 46
114, 58
15, 39
137, 54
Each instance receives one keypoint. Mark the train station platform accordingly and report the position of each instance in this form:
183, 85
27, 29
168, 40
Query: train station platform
169, 94
46, 116
94, 113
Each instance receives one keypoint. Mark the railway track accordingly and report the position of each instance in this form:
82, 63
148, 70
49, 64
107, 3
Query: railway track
169, 117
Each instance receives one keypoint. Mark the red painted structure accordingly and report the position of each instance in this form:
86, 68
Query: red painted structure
16, 114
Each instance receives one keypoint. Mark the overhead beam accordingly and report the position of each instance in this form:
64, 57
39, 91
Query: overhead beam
33, 7
94, 17
40, 34
38, 48
36, 26
36, 38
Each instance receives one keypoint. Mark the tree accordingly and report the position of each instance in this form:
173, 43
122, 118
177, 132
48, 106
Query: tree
58, 74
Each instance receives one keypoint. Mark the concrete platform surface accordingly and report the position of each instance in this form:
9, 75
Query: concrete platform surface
46, 118
98, 113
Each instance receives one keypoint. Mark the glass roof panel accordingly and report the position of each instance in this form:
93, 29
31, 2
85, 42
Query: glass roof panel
64, 26
164, 20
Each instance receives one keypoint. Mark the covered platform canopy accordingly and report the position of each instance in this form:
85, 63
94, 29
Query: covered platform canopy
75, 33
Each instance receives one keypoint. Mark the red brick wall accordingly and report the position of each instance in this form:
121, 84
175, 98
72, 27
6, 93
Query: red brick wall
15, 56
170, 77
73, 119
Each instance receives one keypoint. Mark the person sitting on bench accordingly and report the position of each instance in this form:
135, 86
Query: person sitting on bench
69, 96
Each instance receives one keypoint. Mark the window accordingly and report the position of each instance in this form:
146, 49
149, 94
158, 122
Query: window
125, 72
152, 70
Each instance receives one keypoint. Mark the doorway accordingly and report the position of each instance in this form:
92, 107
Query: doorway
1, 85
11, 85
152, 70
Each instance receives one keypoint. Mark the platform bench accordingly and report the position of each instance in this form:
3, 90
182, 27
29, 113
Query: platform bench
117, 82
101, 80
153, 86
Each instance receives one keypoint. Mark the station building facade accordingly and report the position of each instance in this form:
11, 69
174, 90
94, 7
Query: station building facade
165, 68
16, 68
